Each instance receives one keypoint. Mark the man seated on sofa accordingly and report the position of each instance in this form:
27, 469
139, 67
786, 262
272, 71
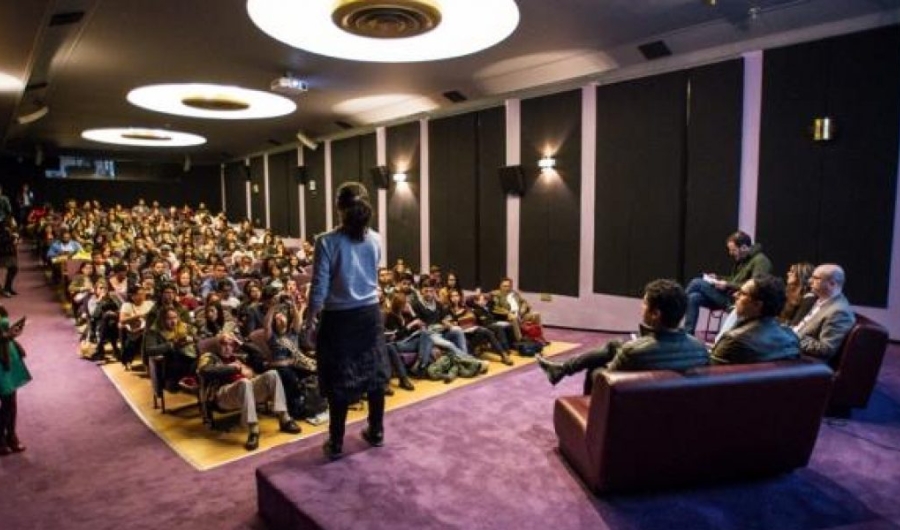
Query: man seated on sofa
661, 346
757, 336
231, 384
823, 329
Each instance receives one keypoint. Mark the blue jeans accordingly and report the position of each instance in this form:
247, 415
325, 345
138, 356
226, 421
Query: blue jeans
701, 293
452, 340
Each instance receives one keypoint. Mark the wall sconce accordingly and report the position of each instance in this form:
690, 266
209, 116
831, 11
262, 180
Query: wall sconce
547, 163
255, 188
823, 129
399, 177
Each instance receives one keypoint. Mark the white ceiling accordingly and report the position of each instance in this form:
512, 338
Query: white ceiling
83, 70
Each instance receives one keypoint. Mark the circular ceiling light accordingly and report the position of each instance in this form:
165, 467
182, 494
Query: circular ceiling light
199, 100
388, 31
142, 137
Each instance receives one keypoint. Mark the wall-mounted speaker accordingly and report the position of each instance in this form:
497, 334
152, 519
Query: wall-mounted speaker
512, 180
381, 177
301, 175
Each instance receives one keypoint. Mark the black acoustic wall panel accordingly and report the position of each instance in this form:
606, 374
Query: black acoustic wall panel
713, 165
788, 200
833, 201
298, 176
468, 210
452, 154
550, 215
368, 155
235, 192
258, 192
351, 159
404, 212
314, 212
491, 263
281, 180
639, 187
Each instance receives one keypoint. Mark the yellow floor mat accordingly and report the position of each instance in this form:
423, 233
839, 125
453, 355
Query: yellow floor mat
182, 429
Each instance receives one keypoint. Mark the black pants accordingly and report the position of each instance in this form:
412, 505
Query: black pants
8, 410
107, 330
10, 276
337, 416
589, 362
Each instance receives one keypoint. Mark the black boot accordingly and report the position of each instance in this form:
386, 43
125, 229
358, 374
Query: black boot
332, 451
374, 437
554, 371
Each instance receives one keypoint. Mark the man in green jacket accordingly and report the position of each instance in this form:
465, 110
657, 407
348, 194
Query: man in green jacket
661, 346
714, 292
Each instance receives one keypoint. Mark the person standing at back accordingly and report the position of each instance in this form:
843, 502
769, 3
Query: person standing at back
350, 347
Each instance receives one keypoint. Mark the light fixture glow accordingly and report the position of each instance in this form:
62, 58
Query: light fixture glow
384, 107
399, 177
548, 162
464, 28
201, 100
142, 137
10, 83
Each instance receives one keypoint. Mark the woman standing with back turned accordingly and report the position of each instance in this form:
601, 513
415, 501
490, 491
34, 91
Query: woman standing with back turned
350, 338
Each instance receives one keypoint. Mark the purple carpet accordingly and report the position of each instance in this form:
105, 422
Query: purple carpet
486, 458
481, 457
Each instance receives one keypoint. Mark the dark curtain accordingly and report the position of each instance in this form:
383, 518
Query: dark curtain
550, 217
404, 212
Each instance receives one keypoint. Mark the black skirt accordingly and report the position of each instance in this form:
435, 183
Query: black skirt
350, 352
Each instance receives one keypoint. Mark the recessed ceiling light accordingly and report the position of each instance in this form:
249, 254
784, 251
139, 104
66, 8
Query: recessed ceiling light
199, 100
142, 137
387, 31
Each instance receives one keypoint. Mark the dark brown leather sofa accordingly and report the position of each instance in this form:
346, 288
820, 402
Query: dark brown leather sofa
645, 430
856, 366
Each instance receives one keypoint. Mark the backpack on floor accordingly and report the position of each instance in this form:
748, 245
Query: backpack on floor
528, 347
311, 403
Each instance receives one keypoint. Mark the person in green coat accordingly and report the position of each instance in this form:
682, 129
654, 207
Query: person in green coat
13, 376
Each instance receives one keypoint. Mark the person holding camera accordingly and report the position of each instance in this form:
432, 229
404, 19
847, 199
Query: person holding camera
293, 364
13, 376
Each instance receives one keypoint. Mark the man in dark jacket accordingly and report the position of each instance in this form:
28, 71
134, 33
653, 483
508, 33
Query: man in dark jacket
661, 346
757, 336
713, 292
